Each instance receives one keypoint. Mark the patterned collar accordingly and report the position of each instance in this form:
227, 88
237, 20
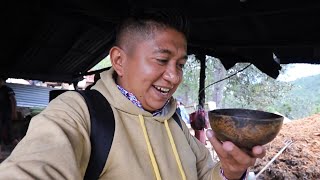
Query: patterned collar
136, 102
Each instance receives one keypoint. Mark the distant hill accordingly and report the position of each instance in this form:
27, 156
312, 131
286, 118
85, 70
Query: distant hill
304, 98
308, 85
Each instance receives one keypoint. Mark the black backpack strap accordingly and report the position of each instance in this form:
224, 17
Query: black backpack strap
177, 119
102, 131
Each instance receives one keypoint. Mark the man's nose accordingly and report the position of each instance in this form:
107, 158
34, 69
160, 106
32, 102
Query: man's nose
172, 75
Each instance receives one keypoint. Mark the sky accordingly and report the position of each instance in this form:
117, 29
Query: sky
296, 71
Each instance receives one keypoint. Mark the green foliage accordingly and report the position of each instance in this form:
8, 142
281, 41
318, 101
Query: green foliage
304, 98
215, 71
248, 89
36, 110
188, 90
252, 89
102, 64
316, 109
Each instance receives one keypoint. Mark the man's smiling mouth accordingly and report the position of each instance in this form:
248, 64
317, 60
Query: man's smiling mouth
162, 89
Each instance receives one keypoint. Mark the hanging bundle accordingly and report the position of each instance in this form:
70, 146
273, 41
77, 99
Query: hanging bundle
198, 119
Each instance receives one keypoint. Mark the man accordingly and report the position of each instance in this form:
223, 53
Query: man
7, 112
148, 58
181, 110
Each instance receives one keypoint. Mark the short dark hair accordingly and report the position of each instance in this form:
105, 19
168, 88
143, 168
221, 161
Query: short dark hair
147, 20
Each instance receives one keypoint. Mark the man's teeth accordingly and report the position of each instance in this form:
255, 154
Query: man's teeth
163, 90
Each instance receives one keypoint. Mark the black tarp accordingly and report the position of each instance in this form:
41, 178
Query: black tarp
61, 40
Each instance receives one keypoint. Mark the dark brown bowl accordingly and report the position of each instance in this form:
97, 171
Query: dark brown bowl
245, 128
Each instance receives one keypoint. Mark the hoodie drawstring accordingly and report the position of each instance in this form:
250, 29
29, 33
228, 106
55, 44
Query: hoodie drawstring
174, 149
153, 159
151, 154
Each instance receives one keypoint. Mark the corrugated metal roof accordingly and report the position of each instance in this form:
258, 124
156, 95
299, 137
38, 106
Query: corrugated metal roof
31, 96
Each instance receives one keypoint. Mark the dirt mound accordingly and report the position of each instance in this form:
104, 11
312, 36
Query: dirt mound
301, 160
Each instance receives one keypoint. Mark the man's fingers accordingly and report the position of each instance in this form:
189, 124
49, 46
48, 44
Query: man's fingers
259, 151
217, 145
237, 154
213, 140
227, 150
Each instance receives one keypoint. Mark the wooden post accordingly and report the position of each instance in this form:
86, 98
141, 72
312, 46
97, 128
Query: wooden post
202, 96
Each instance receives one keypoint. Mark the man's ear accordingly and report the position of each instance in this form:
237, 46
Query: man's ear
117, 57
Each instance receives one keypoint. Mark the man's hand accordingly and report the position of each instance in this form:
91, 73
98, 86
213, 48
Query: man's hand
234, 161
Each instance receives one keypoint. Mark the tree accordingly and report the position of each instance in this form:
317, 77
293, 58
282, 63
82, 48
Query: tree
216, 71
252, 89
102, 64
248, 89
188, 90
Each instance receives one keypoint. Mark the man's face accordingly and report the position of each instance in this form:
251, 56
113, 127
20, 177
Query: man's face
153, 70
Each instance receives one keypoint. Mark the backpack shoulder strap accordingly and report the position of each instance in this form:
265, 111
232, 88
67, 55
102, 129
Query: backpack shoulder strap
102, 131
177, 119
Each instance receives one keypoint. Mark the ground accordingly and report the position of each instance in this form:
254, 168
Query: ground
301, 160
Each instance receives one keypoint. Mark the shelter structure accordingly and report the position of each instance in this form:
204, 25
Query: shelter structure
61, 40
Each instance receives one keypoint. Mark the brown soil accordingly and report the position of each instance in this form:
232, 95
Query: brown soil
301, 160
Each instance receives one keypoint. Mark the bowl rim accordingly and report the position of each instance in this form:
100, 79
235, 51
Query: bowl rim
276, 116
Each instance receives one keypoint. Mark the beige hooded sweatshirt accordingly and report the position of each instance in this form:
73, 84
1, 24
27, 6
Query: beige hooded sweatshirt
57, 144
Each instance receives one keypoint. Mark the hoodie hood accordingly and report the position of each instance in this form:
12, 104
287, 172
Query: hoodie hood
120, 102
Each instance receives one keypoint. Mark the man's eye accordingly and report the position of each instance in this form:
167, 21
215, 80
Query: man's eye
162, 61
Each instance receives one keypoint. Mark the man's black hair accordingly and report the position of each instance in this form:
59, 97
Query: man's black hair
146, 20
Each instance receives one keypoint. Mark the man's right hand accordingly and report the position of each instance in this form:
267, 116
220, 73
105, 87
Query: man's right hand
234, 161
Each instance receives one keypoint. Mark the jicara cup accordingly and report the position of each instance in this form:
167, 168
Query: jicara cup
244, 127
